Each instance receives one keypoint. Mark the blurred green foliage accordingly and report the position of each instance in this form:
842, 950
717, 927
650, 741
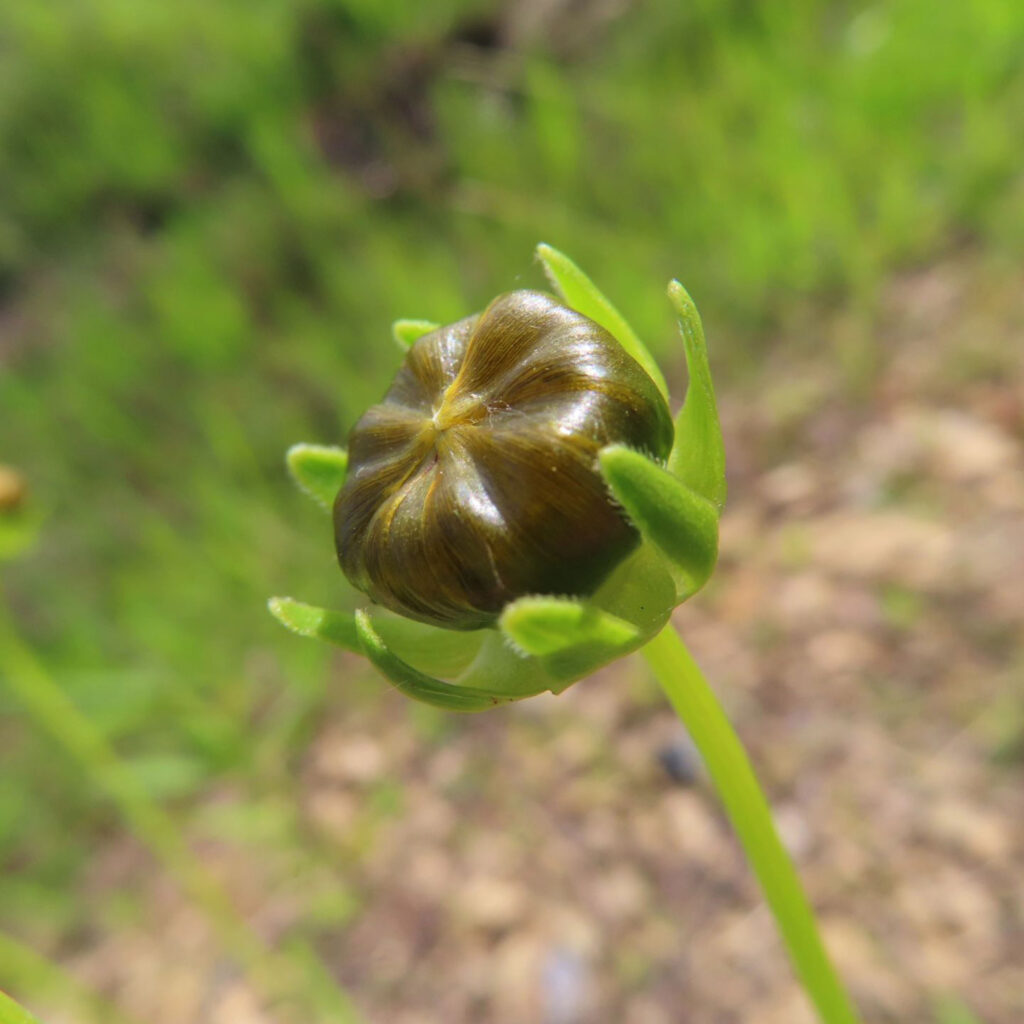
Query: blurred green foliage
210, 213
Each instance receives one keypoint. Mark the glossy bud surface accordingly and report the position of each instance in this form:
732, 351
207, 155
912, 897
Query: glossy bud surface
476, 481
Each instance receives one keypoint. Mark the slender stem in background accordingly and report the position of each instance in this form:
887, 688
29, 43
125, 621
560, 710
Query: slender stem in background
730, 770
33, 972
294, 980
12, 1013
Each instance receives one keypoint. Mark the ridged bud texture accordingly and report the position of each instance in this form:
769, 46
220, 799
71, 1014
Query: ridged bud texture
475, 481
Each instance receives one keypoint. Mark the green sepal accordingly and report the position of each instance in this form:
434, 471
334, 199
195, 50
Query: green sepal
543, 625
307, 620
679, 522
414, 683
502, 670
405, 332
640, 590
570, 638
438, 652
698, 455
319, 470
585, 297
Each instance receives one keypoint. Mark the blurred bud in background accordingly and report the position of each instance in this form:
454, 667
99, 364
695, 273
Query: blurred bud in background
12, 490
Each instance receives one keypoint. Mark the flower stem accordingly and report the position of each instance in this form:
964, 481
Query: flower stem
731, 772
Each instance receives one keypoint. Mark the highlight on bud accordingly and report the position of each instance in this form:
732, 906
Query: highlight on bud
519, 507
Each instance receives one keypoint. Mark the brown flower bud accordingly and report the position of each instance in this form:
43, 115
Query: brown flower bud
475, 481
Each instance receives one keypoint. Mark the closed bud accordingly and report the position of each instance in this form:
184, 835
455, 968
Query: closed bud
12, 489
476, 480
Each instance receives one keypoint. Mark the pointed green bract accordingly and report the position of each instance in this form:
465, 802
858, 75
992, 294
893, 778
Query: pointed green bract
405, 332
585, 297
319, 470
698, 456
438, 652
546, 625
319, 623
570, 638
680, 523
411, 681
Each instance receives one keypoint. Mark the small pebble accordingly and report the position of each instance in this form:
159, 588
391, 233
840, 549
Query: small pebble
681, 761
564, 985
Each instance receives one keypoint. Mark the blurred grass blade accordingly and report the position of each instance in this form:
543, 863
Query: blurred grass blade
570, 639
546, 625
12, 1013
270, 973
698, 456
951, 1009
414, 683
680, 523
34, 972
319, 470
405, 332
319, 623
585, 297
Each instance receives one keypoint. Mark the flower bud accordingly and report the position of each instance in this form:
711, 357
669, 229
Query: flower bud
476, 480
12, 489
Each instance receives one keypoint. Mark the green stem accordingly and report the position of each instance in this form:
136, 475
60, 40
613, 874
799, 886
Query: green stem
12, 1013
730, 770
277, 977
35, 973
